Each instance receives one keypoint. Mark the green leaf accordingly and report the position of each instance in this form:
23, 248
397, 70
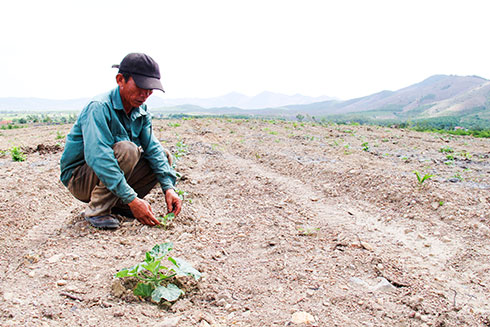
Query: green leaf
144, 290
123, 273
183, 268
131, 271
148, 257
169, 293
153, 266
161, 250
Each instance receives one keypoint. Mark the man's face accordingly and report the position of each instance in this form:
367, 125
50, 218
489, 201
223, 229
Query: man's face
131, 95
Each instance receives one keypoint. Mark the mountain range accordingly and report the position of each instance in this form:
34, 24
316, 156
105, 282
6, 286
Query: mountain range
435, 97
262, 100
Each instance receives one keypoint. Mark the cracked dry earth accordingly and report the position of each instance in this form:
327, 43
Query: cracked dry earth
285, 220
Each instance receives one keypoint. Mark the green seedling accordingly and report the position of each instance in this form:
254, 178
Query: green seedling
365, 146
181, 150
450, 157
165, 220
465, 155
182, 195
174, 124
446, 149
154, 276
308, 231
458, 176
17, 154
346, 149
421, 179
59, 135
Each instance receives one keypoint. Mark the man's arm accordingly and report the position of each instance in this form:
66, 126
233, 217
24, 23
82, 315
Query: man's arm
155, 154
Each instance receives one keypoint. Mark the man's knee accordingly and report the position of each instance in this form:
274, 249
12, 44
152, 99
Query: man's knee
126, 152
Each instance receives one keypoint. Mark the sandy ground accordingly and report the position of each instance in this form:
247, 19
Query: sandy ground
280, 218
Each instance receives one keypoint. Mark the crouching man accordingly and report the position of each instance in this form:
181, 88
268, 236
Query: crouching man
111, 158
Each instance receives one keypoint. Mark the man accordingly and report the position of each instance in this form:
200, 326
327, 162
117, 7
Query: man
111, 158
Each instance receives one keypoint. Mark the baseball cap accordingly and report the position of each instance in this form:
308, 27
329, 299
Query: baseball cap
143, 69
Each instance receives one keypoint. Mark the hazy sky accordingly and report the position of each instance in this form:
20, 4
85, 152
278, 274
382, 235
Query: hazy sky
205, 48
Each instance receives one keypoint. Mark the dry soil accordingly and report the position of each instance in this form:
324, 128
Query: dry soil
281, 218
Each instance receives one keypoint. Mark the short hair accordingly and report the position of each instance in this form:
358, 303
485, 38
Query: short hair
126, 75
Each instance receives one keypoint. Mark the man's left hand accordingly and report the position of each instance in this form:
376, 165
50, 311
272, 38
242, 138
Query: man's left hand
174, 203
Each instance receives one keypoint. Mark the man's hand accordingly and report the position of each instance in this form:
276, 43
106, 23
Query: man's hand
142, 211
174, 203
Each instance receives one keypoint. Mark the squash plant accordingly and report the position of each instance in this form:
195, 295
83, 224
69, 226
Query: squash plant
153, 275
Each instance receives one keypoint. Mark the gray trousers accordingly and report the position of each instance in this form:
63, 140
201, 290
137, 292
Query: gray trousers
86, 186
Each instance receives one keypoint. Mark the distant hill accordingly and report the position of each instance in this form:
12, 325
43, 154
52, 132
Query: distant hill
439, 97
259, 101
262, 100
449, 100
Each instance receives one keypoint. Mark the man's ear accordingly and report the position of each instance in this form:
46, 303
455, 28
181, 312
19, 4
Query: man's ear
120, 79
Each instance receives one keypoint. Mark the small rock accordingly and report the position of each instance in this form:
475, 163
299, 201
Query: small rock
302, 317
117, 288
384, 286
204, 323
435, 205
55, 258
454, 180
7, 296
359, 282
169, 322
221, 303
366, 246
61, 282
72, 288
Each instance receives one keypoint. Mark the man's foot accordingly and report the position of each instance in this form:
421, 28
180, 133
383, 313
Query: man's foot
126, 212
103, 222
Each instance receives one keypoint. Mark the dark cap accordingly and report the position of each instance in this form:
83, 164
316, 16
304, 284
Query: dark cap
143, 69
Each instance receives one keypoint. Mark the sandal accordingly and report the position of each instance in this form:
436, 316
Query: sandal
103, 222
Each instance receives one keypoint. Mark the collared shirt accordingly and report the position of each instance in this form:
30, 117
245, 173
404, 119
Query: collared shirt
101, 124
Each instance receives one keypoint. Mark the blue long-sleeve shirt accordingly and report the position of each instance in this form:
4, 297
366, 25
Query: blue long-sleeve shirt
101, 124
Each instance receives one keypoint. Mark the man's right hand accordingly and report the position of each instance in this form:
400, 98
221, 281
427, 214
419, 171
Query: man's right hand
142, 211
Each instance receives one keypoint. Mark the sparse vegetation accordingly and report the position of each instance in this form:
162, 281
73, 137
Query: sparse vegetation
59, 135
446, 149
17, 154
